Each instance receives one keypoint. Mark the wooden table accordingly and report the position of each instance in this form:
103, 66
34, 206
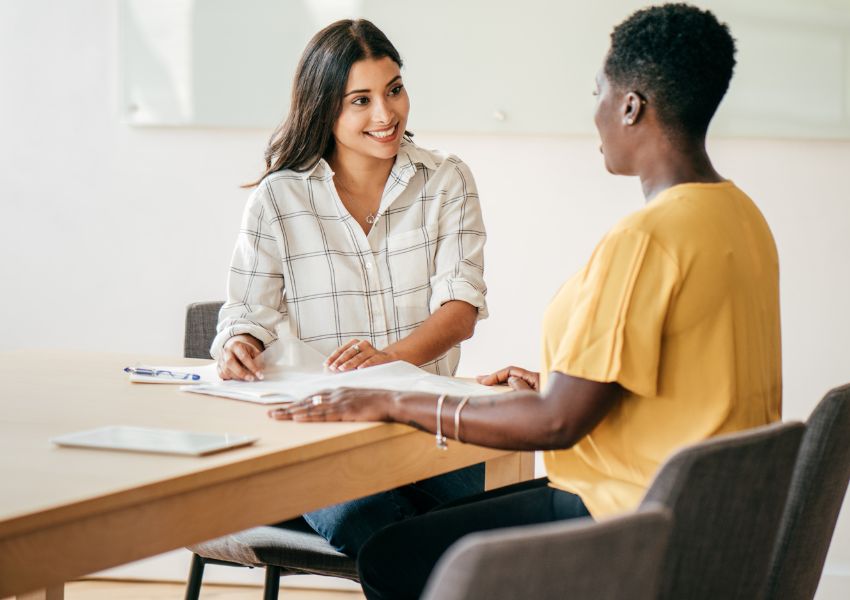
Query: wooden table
67, 512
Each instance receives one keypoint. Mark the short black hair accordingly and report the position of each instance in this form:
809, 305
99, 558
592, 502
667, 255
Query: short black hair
679, 57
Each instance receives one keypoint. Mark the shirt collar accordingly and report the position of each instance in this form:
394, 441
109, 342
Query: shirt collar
409, 157
321, 169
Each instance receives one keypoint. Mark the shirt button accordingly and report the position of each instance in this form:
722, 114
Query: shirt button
369, 266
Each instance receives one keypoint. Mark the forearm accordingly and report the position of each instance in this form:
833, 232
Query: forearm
452, 323
522, 420
519, 420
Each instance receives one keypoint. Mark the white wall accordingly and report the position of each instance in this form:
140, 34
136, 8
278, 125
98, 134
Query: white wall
107, 232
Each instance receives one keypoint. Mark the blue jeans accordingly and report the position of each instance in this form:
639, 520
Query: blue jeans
395, 563
347, 526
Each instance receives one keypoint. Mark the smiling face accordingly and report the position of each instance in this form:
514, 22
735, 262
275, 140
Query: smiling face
374, 111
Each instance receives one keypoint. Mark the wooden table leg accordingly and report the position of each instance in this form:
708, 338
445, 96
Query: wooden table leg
52, 593
508, 469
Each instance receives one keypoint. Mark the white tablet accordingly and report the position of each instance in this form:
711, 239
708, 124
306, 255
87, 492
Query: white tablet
160, 441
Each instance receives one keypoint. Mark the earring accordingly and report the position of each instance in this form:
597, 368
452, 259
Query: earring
629, 121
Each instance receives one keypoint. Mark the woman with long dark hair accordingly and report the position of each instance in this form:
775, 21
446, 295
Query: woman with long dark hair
669, 335
359, 243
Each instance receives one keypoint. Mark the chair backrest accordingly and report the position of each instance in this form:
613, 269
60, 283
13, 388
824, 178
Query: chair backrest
578, 559
726, 495
201, 321
817, 490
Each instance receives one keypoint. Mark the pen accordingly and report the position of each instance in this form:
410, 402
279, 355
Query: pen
162, 373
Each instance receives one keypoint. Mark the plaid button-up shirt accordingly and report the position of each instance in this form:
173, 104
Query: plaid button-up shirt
302, 262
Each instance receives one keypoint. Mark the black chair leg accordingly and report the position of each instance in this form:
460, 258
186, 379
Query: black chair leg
196, 574
272, 583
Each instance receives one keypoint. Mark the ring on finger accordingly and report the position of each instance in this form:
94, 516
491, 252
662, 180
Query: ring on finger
356, 347
316, 400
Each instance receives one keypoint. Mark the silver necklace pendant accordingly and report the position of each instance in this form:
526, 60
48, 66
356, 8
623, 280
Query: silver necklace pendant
371, 218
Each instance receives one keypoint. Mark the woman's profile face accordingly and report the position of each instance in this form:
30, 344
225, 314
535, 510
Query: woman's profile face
374, 110
609, 123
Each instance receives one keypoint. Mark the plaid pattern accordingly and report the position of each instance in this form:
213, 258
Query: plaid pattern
302, 263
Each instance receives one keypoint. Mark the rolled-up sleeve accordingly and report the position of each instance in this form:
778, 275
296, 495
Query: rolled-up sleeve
459, 257
255, 284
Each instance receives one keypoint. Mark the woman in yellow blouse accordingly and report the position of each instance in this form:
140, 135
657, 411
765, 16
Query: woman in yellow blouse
669, 335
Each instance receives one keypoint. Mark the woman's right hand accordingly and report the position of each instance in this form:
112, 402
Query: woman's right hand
517, 377
240, 358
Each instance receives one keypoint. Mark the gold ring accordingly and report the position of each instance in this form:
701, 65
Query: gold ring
316, 400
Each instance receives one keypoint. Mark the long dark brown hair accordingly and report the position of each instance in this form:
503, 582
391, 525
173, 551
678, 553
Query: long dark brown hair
317, 91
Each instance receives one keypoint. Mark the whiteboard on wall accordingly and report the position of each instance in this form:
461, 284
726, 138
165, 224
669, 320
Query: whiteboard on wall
473, 66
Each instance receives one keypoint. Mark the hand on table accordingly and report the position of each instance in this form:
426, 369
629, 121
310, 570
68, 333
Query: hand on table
240, 358
517, 377
356, 354
341, 404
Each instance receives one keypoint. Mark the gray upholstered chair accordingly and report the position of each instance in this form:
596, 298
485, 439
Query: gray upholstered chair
727, 495
817, 491
580, 560
201, 323
288, 548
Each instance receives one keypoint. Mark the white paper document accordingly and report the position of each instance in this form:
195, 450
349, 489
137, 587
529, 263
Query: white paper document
287, 384
287, 352
293, 370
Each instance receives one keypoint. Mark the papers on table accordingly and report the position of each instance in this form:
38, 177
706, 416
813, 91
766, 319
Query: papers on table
286, 353
286, 384
293, 370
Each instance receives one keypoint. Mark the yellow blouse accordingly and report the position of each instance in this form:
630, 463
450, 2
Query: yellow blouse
679, 304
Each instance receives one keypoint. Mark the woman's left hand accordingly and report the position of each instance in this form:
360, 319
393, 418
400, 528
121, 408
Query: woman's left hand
516, 377
356, 354
342, 404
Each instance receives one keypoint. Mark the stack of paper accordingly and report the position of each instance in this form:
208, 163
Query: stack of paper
287, 384
293, 370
